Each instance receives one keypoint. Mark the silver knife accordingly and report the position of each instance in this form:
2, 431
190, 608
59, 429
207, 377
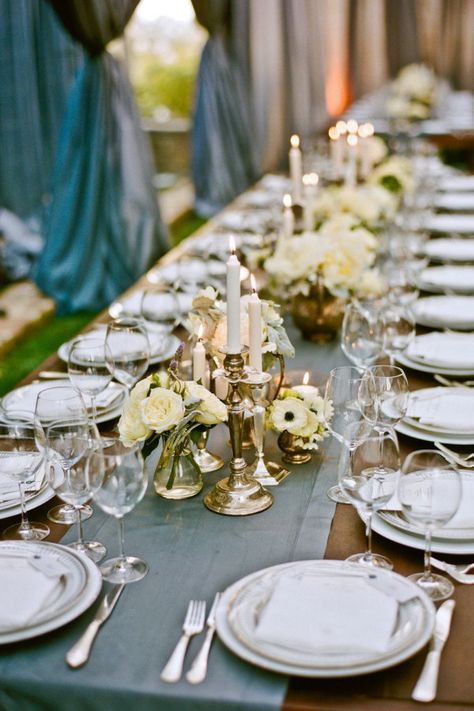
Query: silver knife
425, 689
79, 652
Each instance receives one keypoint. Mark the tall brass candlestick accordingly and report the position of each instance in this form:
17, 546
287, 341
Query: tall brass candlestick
237, 494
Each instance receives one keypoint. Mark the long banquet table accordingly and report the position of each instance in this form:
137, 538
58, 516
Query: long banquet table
193, 553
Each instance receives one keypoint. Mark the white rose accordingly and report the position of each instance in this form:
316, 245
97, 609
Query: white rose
162, 410
211, 411
131, 427
140, 391
205, 298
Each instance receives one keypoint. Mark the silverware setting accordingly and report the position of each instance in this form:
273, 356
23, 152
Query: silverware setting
198, 670
425, 688
193, 624
80, 651
457, 572
463, 460
453, 383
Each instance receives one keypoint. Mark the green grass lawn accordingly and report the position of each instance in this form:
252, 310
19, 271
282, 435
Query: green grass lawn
47, 339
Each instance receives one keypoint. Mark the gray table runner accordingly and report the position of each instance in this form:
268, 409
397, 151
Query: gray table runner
192, 554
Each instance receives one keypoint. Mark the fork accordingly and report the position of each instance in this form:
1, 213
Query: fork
198, 670
193, 624
453, 383
458, 572
461, 459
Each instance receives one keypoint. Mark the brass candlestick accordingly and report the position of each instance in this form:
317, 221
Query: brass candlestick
267, 473
237, 494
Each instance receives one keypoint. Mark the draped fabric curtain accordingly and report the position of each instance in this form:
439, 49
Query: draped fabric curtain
102, 227
368, 46
223, 160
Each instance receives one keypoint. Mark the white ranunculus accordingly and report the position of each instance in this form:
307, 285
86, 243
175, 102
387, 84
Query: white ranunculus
211, 410
131, 427
162, 410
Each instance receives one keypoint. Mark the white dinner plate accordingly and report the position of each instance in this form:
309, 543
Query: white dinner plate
453, 547
417, 433
44, 495
450, 250
24, 399
459, 279
247, 596
462, 201
457, 182
80, 589
456, 312
403, 359
452, 223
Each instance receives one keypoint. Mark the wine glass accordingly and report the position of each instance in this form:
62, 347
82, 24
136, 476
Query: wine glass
429, 492
123, 480
87, 368
21, 461
160, 306
391, 394
67, 475
65, 402
361, 336
348, 393
399, 330
128, 350
368, 474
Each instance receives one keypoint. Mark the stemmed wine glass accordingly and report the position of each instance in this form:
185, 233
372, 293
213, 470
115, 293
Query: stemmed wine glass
123, 480
128, 350
21, 460
87, 368
351, 401
399, 330
391, 394
160, 306
66, 403
368, 475
429, 492
69, 447
361, 336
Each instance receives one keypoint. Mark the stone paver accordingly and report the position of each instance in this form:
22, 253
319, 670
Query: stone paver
22, 307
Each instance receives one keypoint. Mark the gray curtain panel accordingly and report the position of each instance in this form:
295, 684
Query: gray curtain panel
402, 33
368, 63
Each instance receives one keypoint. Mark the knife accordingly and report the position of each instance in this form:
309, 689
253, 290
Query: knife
425, 689
79, 652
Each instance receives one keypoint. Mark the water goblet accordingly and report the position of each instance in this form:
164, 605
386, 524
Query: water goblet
128, 354
21, 461
361, 336
391, 394
87, 368
123, 480
368, 474
65, 402
399, 330
160, 306
429, 492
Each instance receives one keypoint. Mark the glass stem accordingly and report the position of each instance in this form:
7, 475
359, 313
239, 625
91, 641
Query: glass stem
80, 527
25, 524
427, 556
93, 410
121, 536
369, 533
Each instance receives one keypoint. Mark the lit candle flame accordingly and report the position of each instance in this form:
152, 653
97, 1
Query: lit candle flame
200, 332
352, 140
352, 126
295, 141
333, 133
253, 283
306, 378
310, 179
232, 244
341, 127
362, 131
287, 202
370, 129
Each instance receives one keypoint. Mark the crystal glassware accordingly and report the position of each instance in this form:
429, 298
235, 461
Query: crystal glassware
117, 475
22, 461
128, 354
368, 475
429, 492
391, 394
399, 330
361, 336
65, 402
87, 368
160, 306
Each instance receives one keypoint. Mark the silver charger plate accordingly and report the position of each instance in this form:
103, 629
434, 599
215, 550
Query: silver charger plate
81, 586
251, 591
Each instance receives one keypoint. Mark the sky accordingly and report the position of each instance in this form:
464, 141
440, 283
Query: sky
150, 10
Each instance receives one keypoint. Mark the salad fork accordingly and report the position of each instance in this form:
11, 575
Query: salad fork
193, 624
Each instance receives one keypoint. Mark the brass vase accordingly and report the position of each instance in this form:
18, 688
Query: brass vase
319, 314
292, 453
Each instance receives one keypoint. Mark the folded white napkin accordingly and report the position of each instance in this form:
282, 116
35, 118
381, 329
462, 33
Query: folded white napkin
455, 201
449, 277
328, 613
450, 223
457, 182
444, 408
24, 592
446, 310
454, 350
458, 250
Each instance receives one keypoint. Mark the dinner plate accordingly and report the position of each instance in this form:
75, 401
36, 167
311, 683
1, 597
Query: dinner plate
76, 593
168, 353
451, 201
242, 602
455, 312
452, 223
459, 279
44, 495
450, 250
457, 182
407, 429
403, 359
22, 399
391, 533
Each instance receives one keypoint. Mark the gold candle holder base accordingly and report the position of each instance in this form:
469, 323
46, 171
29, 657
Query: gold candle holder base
237, 494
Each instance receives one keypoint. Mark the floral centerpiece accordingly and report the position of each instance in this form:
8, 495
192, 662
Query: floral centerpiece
395, 174
370, 205
162, 409
209, 314
301, 421
412, 93
372, 150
